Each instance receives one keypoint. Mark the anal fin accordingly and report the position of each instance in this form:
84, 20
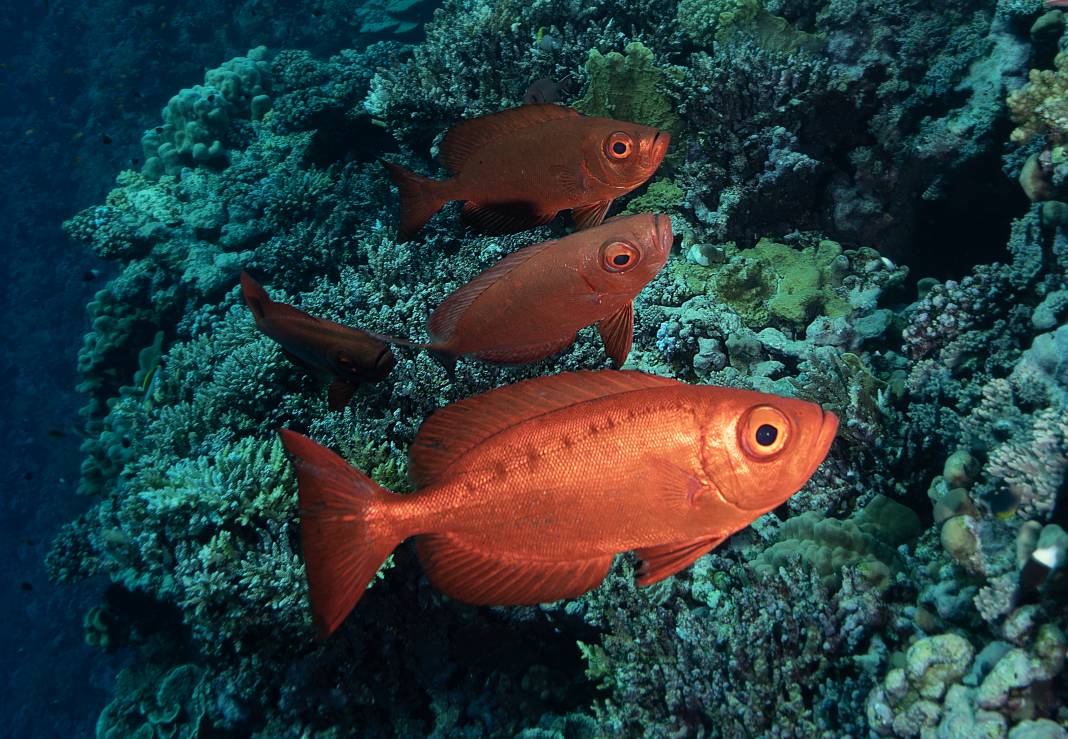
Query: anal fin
665, 560
503, 218
617, 333
473, 576
525, 354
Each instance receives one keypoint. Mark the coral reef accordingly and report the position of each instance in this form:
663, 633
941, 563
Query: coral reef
909, 589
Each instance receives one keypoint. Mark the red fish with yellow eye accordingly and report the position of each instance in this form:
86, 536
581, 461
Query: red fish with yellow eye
526, 493
344, 355
531, 304
518, 168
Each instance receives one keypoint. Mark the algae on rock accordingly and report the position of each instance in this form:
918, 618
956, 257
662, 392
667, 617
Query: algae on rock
628, 87
776, 281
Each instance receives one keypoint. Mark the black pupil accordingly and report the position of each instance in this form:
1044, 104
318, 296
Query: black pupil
619, 148
766, 434
620, 259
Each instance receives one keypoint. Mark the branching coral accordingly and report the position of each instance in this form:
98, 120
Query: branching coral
1034, 468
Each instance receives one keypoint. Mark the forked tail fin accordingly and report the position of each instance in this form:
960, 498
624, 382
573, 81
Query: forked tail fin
345, 532
420, 198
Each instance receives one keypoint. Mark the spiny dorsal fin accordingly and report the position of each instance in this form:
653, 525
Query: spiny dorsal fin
467, 137
453, 431
443, 321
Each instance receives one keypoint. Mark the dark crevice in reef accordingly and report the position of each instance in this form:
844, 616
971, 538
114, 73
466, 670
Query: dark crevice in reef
339, 138
970, 224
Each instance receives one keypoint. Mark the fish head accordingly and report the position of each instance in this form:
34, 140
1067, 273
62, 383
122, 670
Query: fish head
623, 155
625, 252
364, 361
760, 449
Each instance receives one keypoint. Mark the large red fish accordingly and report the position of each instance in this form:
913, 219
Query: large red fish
529, 305
526, 493
345, 355
518, 168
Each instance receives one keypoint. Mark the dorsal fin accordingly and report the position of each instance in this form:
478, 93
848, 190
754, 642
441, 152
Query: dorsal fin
471, 135
443, 320
453, 431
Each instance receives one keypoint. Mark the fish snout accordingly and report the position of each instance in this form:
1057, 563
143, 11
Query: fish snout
664, 236
824, 437
657, 150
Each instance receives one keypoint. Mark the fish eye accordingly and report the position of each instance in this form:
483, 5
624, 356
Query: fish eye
618, 146
620, 256
763, 432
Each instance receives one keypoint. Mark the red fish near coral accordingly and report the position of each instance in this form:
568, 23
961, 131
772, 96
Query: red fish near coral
326, 349
529, 305
518, 168
526, 493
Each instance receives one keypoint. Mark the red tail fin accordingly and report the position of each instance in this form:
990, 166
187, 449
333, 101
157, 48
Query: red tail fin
255, 296
420, 198
343, 532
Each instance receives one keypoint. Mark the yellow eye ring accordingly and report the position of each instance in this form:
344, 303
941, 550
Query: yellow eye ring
763, 432
618, 146
620, 256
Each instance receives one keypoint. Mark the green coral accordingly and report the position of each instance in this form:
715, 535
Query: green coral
661, 196
725, 21
776, 281
866, 542
629, 87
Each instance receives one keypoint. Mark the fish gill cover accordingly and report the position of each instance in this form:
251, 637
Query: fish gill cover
914, 586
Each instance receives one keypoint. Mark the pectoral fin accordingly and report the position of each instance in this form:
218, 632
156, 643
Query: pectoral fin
617, 333
474, 576
666, 559
340, 393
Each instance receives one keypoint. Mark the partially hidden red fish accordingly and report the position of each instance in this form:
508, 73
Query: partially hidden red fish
518, 168
526, 493
530, 304
346, 356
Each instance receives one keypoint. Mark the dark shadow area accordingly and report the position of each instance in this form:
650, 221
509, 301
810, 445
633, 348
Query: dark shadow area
971, 224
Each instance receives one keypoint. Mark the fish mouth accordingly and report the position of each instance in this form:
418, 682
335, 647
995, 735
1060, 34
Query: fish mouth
658, 149
664, 236
824, 437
